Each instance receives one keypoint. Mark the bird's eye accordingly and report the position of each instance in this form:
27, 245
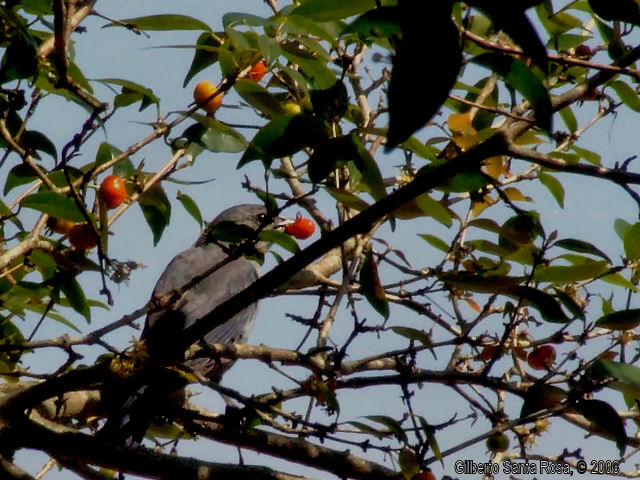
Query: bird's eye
261, 217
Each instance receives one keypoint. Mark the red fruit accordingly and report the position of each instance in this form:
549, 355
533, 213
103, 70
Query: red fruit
542, 357
82, 237
258, 71
302, 228
113, 191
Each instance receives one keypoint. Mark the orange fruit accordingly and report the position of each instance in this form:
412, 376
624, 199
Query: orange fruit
82, 237
542, 357
258, 71
204, 93
113, 191
302, 228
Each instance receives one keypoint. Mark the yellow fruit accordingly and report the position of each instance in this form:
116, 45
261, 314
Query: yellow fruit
293, 108
203, 95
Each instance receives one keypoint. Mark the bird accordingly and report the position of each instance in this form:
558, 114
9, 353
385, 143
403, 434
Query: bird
146, 396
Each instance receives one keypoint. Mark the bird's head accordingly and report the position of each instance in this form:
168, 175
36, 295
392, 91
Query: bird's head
236, 225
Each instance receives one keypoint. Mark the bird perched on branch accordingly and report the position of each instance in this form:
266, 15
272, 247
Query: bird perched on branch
200, 278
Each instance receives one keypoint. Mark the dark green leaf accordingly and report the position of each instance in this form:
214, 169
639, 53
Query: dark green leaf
190, 206
331, 103
620, 320
408, 463
622, 10
434, 209
510, 17
34, 140
258, 97
283, 136
429, 431
379, 22
546, 304
20, 60
330, 154
235, 18
162, 22
328, 10
206, 54
75, 296
21, 174
569, 118
156, 209
605, 418
520, 77
411, 105
371, 286
581, 246
54, 204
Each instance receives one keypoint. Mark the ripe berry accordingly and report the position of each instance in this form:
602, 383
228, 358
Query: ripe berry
82, 237
302, 228
258, 71
113, 191
542, 357
203, 95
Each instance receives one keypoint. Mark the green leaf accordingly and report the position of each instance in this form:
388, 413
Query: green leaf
331, 103
75, 296
563, 274
619, 280
519, 76
54, 204
328, 10
436, 242
156, 209
622, 10
371, 286
20, 60
162, 22
605, 418
554, 186
238, 18
348, 199
21, 174
216, 136
363, 427
581, 246
620, 320
206, 54
632, 242
315, 69
408, 463
411, 105
429, 432
627, 94
546, 304
190, 206
284, 136
34, 140
434, 209
569, 118
378, 22
279, 238
131, 92
258, 97
393, 425
413, 334
330, 154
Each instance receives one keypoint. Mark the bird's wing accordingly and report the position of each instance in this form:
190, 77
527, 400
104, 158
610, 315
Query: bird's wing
218, 287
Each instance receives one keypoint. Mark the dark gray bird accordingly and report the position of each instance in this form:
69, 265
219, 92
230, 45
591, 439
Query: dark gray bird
143, 402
